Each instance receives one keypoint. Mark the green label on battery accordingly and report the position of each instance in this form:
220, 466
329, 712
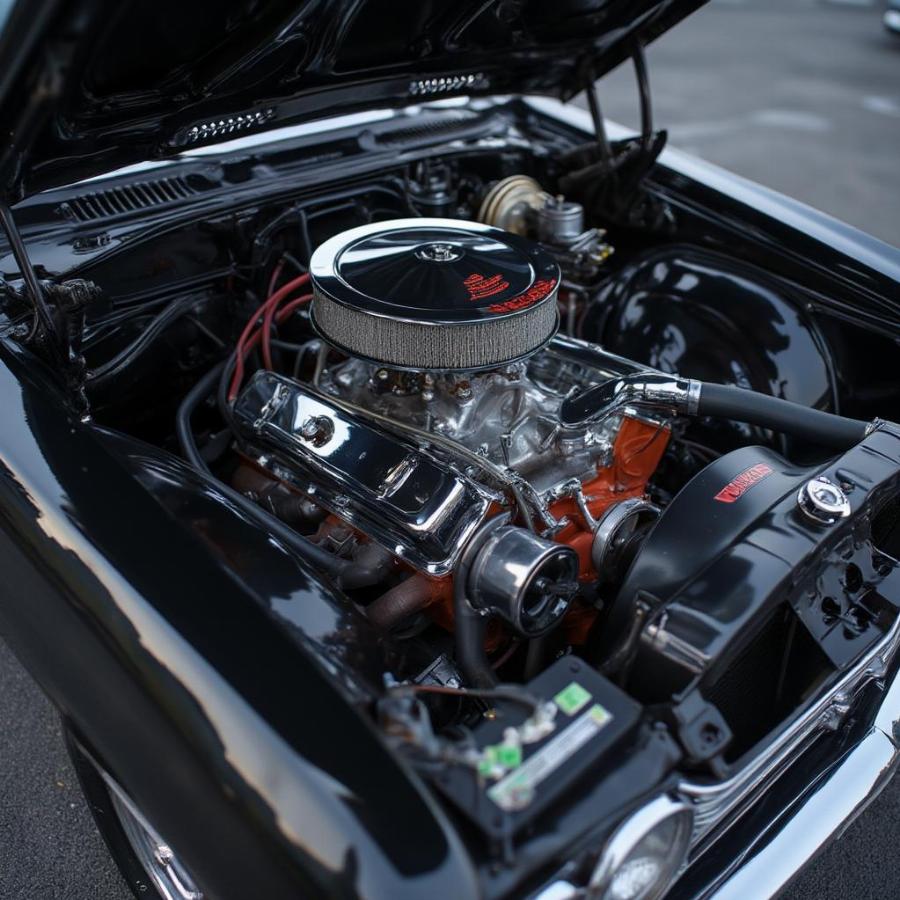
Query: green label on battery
572, 699
509, 756
599, 714
518, 789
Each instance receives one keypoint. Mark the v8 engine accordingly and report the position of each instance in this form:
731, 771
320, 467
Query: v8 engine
438, 435
513, 489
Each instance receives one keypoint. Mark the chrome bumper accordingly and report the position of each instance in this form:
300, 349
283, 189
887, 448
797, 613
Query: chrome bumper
828, 810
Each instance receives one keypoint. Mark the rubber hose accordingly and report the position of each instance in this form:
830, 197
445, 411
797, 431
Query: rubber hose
310, 552
729, 402
400, 602
469, 631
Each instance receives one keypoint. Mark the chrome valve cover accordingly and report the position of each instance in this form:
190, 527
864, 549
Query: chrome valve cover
407, 498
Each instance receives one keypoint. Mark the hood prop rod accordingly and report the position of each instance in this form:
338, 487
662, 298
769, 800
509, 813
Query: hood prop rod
42, 316
590, 91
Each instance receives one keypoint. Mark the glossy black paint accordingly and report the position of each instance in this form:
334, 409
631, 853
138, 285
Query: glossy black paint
842, 274
238, 746
178, 642
718, 563
688, 310
93, 85
187, 680
824, 290
319, 617
353, 655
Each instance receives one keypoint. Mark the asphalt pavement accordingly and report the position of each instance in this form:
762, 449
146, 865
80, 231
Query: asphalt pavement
800, 95
49, 847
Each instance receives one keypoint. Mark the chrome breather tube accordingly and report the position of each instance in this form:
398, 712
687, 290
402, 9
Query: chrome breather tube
689, 397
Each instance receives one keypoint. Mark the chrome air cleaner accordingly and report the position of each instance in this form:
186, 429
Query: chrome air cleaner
434, 294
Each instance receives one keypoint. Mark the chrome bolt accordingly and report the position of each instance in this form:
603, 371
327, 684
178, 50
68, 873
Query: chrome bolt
317, 430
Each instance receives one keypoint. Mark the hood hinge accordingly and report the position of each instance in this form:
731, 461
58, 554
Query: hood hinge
61, 346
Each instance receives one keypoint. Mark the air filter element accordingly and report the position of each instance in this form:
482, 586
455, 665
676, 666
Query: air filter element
434, 294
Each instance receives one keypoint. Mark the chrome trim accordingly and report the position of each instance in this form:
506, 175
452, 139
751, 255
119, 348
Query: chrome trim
593, 356
559, 890
522, 493
692, 401
646, 390
674, 648
629, 835
328, 282
823, 816
822, 501
157, 859
612, 521
409, 500
399, 327
526, 580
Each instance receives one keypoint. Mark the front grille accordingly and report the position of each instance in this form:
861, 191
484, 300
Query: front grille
767, 680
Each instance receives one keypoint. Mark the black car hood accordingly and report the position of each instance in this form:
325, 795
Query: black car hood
91, 85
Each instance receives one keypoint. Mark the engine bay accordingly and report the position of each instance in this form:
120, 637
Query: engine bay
515, 439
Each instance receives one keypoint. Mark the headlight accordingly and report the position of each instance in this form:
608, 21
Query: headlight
644, 854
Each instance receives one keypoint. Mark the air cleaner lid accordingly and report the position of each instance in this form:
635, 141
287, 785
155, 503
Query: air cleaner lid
434, 294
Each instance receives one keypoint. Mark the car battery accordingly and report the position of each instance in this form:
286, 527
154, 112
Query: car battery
528, 759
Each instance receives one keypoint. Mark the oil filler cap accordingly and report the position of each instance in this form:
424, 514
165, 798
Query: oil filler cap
822, 501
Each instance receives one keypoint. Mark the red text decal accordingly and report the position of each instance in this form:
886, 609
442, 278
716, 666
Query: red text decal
480, 287
536, 292
740, 484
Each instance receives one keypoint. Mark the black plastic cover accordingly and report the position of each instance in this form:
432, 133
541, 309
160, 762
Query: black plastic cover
734, 545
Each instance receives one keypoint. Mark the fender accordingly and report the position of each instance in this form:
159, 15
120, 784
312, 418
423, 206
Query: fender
186, 685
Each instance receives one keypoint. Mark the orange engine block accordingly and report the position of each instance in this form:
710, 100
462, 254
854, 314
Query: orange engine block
638, 448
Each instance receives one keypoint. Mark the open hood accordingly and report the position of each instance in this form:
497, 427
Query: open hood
91, 85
